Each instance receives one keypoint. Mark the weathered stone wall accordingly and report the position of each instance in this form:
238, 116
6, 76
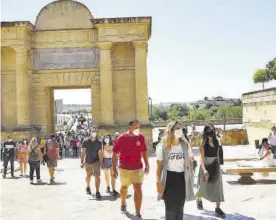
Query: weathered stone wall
8, 88
259, 113
123, 62
71, 14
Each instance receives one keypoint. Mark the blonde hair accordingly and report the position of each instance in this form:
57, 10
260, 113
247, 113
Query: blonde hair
33, 142
169, 134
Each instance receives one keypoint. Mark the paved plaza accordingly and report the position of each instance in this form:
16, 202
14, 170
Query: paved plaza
67, 199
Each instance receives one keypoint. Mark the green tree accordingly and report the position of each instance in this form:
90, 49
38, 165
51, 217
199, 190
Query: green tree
261, 76
271, 68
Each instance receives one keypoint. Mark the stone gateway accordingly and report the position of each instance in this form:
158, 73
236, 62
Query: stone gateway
68, 48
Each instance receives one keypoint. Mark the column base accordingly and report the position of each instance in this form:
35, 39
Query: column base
23, 128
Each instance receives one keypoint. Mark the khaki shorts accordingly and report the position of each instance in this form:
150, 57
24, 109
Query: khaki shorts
52, 163
93, 168
129, 177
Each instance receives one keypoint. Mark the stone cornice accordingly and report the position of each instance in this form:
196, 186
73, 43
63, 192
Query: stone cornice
124, 20
17, 24
259, 91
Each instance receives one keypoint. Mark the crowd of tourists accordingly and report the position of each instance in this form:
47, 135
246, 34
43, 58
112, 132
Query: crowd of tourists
174, 171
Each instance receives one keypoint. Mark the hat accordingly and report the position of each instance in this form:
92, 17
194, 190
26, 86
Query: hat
117, 133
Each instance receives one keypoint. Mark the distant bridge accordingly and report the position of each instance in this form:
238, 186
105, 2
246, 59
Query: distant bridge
201, 122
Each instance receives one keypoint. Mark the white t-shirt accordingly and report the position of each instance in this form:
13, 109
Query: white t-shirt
175, 157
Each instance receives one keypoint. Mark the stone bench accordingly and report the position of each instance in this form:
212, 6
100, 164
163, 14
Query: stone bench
238, 159
247, 172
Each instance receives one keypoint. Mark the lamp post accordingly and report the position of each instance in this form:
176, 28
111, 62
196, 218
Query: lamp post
224, 117
150, 108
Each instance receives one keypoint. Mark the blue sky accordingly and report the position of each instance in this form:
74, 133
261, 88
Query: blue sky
198, 47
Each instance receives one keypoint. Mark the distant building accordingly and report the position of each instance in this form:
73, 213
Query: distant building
219, 101
59, 106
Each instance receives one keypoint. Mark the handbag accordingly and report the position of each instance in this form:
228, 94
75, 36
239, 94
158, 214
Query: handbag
213, 168
45, 156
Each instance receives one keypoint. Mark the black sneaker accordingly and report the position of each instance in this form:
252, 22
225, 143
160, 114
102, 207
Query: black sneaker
139, 217
4, 176
98, 195
219, 213
108, 190
123, 209
115, 193
52, 181
199, 204
88, 190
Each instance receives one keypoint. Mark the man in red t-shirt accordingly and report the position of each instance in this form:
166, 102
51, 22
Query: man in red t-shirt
131, 147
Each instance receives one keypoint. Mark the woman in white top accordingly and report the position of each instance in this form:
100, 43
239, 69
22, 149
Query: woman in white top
107, 164
267, 158
174, 171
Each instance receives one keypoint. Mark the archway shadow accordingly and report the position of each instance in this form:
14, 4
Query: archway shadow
228, 216
256, 182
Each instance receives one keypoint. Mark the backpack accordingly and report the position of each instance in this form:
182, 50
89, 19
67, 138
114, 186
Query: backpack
33, 154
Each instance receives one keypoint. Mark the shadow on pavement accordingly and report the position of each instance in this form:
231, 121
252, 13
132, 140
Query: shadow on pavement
133, 217
13, 178
195, 217
228, 216
40, 184
107, 198
257, 182
57, 183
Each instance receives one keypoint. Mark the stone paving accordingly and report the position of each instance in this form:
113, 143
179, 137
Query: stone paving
67, 199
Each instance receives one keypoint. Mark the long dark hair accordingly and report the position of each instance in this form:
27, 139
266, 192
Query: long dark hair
209, 130
110, 139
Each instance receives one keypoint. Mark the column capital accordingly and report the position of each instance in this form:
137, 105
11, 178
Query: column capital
21, 49
105, 45
140, 44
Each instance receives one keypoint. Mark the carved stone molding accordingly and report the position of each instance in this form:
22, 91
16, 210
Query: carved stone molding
104, 45
66, 58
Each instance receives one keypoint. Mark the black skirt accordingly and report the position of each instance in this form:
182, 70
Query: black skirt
175, 187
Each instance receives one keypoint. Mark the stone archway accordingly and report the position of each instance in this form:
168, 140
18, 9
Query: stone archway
69, 48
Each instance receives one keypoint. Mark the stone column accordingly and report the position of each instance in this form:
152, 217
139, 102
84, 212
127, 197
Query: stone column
141, 85
22, 88
106, 88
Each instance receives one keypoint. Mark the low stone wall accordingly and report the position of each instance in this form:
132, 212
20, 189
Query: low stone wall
229, 138
259, 113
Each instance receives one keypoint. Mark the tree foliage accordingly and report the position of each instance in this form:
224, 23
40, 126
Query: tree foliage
183, 112
267, 74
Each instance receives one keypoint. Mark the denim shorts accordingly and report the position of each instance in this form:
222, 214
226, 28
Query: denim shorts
107, 163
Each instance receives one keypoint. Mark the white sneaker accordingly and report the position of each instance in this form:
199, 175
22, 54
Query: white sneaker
31, 182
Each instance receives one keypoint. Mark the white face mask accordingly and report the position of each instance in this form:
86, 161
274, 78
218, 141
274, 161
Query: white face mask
106, 140
178, 133
93, 134
136, 132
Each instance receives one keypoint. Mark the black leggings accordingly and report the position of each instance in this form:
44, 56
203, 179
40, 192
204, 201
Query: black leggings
174, 195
